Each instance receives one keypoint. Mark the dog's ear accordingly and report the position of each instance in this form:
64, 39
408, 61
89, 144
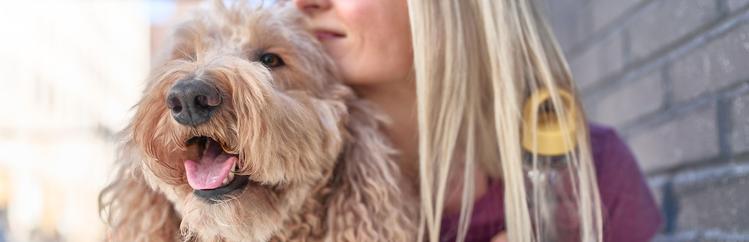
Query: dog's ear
371, 199
132, 210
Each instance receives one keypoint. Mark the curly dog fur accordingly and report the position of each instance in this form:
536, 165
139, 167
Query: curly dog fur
319, 168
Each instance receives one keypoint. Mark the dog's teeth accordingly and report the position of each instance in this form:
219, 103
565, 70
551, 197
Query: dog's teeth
228, 179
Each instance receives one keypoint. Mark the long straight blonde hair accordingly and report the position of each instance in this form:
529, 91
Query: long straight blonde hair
476, 62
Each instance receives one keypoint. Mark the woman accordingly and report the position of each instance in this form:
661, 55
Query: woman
452, 76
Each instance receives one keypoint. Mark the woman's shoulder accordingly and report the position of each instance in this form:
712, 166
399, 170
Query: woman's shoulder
630, 212
610, 152
616, 166
602, 138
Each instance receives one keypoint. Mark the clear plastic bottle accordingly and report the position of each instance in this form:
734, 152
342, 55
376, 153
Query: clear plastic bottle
548, 146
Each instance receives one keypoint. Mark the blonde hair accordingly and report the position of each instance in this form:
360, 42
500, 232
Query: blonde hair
491, 56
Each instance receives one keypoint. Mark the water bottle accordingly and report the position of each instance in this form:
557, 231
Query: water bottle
548, 145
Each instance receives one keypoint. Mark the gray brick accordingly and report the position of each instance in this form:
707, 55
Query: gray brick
685, 138
720, 63
706, 177
584, 69
663, 22
740, 118
709, 235
686, 236
719, 235
721, 205
606, 11
598, 61
631, 100
734, 5
656, 185
570, 20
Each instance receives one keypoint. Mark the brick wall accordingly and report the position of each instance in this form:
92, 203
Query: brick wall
673, 77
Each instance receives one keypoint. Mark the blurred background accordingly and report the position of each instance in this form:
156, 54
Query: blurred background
671, 75
71, 70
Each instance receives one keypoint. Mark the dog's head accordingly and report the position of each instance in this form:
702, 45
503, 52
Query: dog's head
241, 123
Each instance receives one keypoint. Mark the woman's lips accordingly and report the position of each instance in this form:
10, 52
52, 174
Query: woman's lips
324, 35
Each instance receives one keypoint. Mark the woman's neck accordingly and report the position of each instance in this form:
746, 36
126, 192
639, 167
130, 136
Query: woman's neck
398, 101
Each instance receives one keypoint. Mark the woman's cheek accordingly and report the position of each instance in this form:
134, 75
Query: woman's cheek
378, 45
354, 11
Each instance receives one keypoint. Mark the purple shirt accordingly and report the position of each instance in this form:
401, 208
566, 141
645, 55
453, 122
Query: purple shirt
629, 211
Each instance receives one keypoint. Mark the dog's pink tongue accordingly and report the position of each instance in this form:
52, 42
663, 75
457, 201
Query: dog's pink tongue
208, 174
214, 166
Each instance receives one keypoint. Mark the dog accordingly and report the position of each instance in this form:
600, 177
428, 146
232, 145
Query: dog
245, 133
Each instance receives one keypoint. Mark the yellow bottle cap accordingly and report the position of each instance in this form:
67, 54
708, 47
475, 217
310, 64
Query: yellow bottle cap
550, 136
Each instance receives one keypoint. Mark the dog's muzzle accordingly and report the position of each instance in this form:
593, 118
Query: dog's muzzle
193, 101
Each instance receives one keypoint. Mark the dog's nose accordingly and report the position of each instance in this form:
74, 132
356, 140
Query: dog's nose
193, 101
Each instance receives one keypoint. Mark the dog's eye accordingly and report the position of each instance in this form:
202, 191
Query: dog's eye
271, 60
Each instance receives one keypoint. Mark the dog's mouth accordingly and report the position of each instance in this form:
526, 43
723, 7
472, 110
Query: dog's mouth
213, 174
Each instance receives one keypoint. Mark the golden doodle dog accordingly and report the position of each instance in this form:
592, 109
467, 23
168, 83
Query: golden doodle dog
246, 133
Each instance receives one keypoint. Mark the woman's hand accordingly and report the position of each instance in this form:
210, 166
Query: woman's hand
501, 237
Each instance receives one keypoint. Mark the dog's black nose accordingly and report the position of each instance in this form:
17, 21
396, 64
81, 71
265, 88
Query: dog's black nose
193, 101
